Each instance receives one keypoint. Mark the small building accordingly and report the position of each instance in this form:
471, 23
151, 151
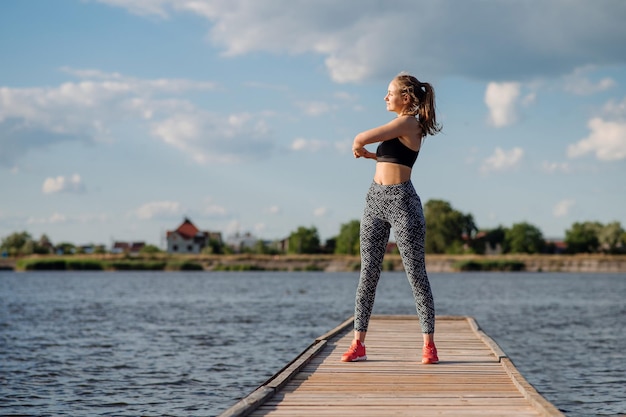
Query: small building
556, 246
88, 249
127, 247
241, 242
187, 238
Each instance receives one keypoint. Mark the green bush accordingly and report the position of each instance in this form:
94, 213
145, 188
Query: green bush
238, 267
83, 265
42, 264
185, 266
468, 266
489, 265
137, 266
310, 268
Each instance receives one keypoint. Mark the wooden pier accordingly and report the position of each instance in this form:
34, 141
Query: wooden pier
474, 377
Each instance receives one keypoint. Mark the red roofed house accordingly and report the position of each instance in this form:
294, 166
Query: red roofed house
188, 239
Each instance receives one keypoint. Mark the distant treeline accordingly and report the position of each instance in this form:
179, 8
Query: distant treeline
449, 231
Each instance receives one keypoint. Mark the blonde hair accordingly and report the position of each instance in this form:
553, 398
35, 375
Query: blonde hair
422, 102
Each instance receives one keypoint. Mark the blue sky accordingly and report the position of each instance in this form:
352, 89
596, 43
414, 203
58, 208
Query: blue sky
118, 118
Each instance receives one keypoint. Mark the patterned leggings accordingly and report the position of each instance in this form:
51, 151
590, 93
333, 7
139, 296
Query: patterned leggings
399, 207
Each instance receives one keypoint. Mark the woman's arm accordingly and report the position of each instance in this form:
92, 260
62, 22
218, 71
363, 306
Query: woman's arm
395, 128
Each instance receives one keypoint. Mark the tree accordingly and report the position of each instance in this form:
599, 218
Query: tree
610, 237
149, 249
99, 249
66, 248
524, 238
583, 237
43, 245
487, 241
495, 237
19, 243
446, 227
304, 240
263, 248
330, 245
216, 247
348, 239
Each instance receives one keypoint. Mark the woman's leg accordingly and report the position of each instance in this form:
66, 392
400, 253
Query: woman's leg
374, 237
409, 229
410, 232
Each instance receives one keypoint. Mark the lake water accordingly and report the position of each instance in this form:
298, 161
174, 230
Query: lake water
192, 344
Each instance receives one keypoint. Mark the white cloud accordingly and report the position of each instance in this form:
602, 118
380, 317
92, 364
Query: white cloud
299, 144
141, 7
214, 210
529, 99
343, 146
615, 109
310, 145
63, 184
578, 83
501, 99
90, 110
59, 218
320, 211
607, 140
232, 228
53, 219
208, 137
87, 110
274, 210
551, 167
158, 209
345, 96
92, 218
562, 208
502, 160
353, 39
259, 228
315, 108
180, 131
266, 86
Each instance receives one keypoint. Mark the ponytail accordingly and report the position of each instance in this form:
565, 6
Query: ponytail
422, 105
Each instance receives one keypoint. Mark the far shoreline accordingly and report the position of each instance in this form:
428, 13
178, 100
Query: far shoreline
580, 263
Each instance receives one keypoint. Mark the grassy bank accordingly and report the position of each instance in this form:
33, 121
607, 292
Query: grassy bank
72, 264
329, 263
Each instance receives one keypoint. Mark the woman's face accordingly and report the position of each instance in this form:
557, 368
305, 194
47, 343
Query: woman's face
396, 101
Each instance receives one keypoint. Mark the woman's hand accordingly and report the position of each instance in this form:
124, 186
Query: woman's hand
369, 155
362, 152
359, 151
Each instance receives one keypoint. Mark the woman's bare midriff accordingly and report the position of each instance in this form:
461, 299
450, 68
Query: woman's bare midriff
388, 173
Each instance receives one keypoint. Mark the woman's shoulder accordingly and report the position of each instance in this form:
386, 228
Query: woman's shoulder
409, 125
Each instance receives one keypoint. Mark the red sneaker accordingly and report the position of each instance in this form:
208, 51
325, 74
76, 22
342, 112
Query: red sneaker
429, 354
355, 353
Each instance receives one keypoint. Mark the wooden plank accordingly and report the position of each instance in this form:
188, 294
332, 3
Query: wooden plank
474, 377
249, 403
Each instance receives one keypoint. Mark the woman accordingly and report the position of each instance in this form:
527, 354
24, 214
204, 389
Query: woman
392, 202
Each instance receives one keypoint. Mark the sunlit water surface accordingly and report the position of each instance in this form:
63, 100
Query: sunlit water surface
192, 344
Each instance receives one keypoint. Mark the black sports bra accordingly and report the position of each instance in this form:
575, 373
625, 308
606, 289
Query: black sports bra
394, 151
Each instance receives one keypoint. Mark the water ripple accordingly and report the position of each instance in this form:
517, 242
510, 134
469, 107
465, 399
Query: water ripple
175, 344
